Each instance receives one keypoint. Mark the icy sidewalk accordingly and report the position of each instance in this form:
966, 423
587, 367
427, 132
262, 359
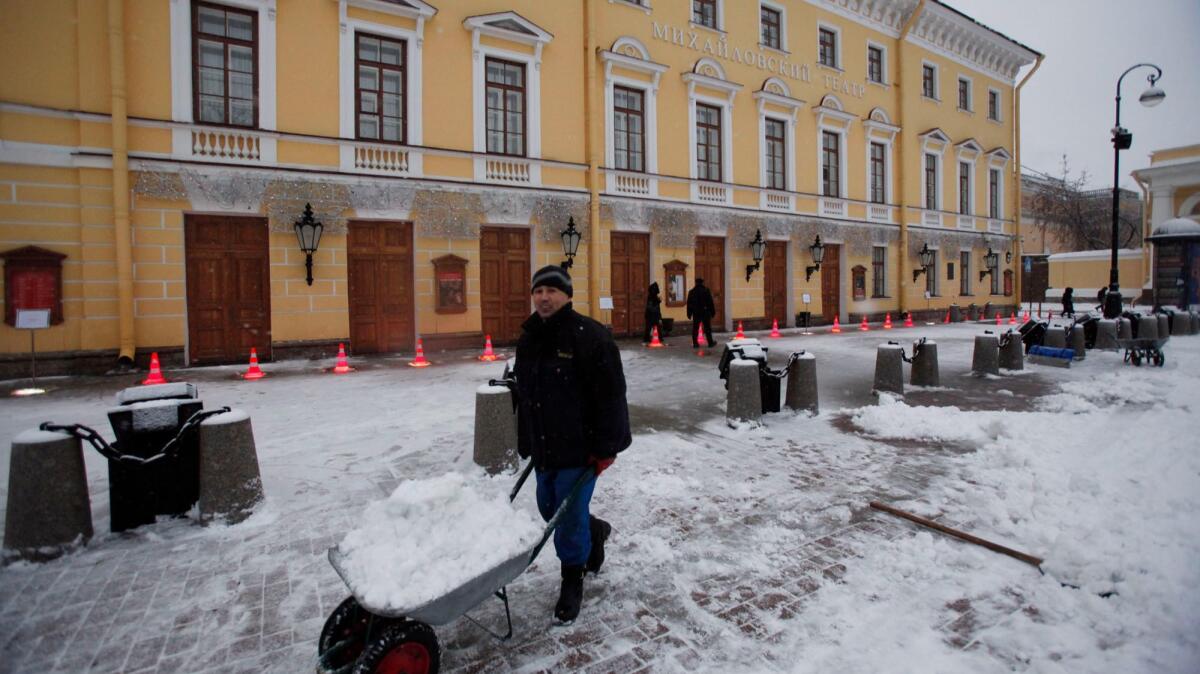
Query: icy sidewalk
734, 550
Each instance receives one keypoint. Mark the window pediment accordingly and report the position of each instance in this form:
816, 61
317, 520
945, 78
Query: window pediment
407, 8
508, 26
831, 113
968, 149
708, 73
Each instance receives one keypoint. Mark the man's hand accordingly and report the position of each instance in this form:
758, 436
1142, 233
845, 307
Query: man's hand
601, 463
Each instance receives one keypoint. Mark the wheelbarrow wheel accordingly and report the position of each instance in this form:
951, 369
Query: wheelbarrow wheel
1136, 359
1159, 358
406, 647
347, 625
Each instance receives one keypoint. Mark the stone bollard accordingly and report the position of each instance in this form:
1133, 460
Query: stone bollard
230, 481
889, 369
1164, 325
743, 401
1056, 337
1106, 334
1195, 323
802, 383
1012, 352
1147, 327
1078, 342
49, 511
495, 429
1124, 328
924, 364
955, 314
986, 359
1181, 324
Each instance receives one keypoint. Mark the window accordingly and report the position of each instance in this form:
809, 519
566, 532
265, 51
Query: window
964, 94
225, 80
879, 271
964, 188
875, 64
931, 277
964, 280
929, 81
704, 12
629, 134
994, 105
380, 88
708, 142
505, 103
771, 27
830, 164
827, 47
949, 271
931, 182
994, 277
993, 193
776, 141
878, 176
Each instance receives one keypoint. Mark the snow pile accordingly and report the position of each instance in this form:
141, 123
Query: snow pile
891, 418
431, 536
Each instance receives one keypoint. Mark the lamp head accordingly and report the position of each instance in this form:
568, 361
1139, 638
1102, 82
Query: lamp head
570, 241
926, 255
757, 246
817, 250
308, 231
1152, 96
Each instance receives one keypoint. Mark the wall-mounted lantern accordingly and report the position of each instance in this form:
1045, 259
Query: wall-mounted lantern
926, 261
308, 233
990, 259
1008, 257
570, 242
817, 251
756, 251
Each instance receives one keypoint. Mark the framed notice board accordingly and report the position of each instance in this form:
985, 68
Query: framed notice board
450, 284
32, 280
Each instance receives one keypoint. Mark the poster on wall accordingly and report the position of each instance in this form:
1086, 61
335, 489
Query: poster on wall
451, 285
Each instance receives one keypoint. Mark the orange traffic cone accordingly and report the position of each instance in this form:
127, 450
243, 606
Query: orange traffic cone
775, 329
419, 361
998, 319
863, 326
488, 355
740, 334
836, 326
253, 372
1012, 319
654, 341
887, 321
700, 341
908, 320
343, 365
947, 316
155, 373
1025, 318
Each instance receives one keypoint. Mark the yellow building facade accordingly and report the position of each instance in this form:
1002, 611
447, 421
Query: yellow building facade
155, 156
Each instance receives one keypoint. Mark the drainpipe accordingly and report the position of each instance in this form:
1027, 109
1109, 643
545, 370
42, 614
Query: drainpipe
900, 106
120, 181
1147, 258
1017, 180
591, 148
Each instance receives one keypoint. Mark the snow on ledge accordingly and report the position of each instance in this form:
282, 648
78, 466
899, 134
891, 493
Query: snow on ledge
230, 417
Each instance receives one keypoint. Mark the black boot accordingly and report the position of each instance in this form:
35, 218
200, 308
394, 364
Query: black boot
570, 597
600, 531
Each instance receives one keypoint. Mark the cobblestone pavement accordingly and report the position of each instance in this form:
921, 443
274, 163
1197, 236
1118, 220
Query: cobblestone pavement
710, 575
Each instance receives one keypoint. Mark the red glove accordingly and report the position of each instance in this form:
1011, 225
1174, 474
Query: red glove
601, 464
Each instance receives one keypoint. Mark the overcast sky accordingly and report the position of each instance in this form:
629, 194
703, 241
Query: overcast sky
1068, 106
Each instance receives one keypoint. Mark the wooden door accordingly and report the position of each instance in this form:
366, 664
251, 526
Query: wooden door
630, 281
831, 282
710, 266
227, 265
504, 282
775, 278
379, 261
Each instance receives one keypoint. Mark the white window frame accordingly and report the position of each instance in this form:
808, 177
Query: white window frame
720, 18
884, 272
884, 132
999, 192
783, 23
694, 79
887, 169
937, 81
934, 272
837, 46
615, 58
998, 159
937, 180
999, 105
793, 106
886, 81
970, 93
831, 116
958, 195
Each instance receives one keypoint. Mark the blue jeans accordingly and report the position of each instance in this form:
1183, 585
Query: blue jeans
573, 537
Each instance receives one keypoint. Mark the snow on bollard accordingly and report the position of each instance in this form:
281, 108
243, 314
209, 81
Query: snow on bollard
743, 402
889, 369
1106, 334
1124, 328
1147, 327
495, 429
1056, 337
1078, 343
924, 364
1012, 351
802, 383
230, 481
986, 359
49, 511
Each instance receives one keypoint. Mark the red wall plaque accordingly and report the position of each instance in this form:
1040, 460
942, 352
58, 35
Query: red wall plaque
32, 280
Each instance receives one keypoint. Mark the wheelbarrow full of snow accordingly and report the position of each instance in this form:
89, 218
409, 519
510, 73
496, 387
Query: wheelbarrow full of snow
361, 637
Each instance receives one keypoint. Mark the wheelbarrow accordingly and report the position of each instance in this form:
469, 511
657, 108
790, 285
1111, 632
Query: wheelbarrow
1144, 349
359, 638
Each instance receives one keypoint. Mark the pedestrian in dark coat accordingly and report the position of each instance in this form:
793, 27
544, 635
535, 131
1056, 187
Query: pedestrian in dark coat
1068, 300
572, 417
653, 312
700, 309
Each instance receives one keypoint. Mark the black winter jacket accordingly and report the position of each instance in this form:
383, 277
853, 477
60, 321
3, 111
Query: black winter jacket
570, 392
700, 303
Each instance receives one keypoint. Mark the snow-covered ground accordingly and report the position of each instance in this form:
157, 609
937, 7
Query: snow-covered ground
747, 549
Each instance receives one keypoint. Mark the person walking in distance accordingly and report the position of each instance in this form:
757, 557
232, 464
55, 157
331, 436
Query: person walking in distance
700, 309
572, 417
653, 313
1068, 300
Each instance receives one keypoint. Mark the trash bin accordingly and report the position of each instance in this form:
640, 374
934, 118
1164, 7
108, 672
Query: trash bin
803, 319
1033, 333
143, 424
769, 381
668, 326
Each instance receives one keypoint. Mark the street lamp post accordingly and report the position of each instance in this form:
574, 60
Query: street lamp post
1121, 140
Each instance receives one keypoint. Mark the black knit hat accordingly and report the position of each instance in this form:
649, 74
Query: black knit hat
554, 276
